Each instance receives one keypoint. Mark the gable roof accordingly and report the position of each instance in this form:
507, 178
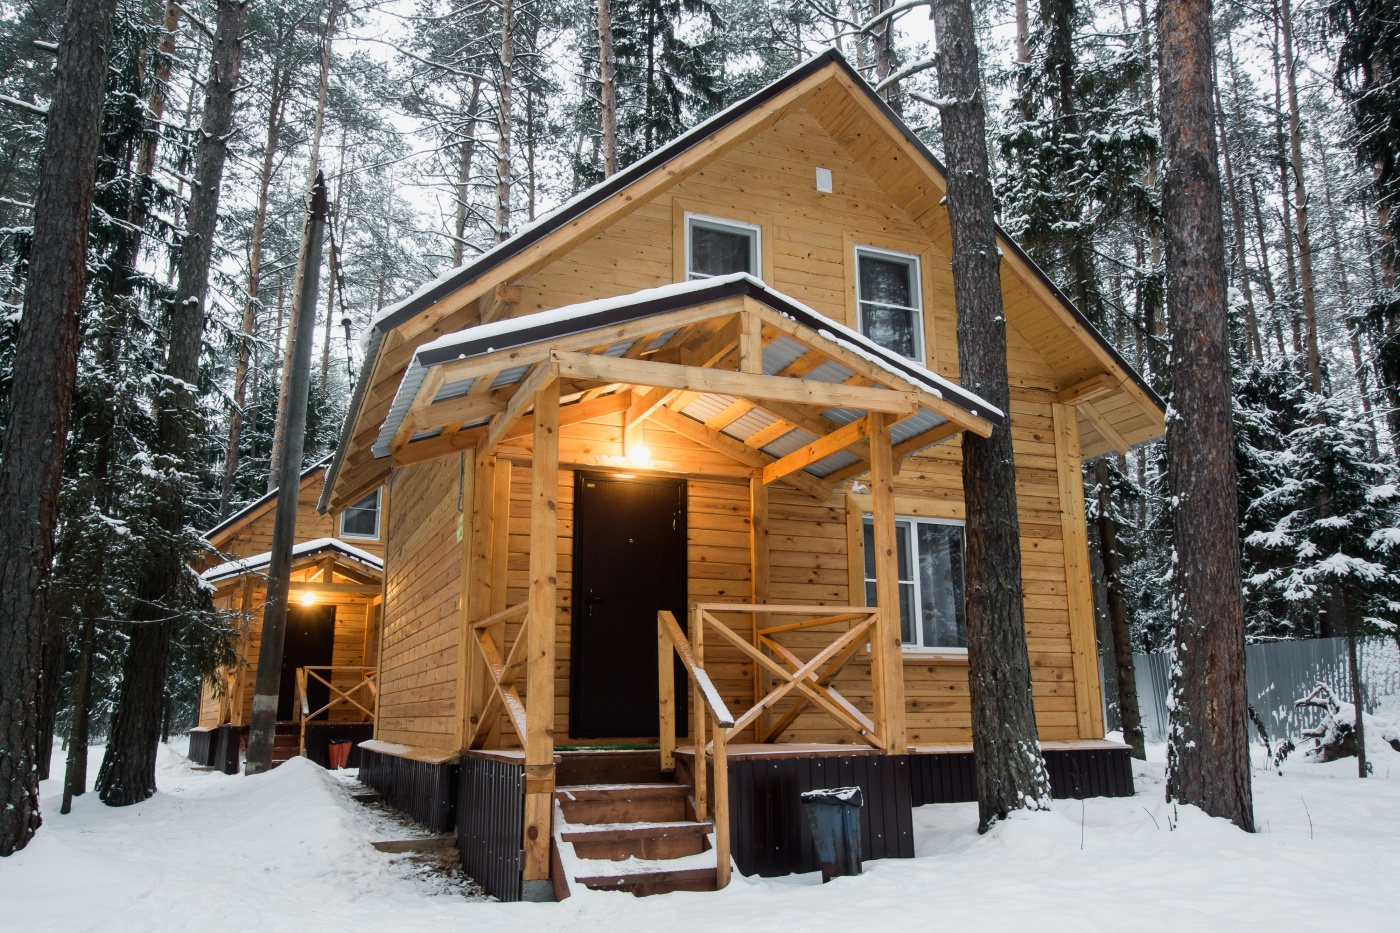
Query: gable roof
259, 505
307, 549
572, 214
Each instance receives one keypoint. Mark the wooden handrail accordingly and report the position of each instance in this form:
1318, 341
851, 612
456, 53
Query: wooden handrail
302, 710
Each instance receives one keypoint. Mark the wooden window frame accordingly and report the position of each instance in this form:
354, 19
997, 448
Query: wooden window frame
737, 226
378, 519
910, 522
682, 208
916, 280
927, 255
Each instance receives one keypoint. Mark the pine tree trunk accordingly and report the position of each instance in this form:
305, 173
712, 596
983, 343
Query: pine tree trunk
333, 268
1123, 662
886, 55
1300, 200
1252, 341
607, 78
1357, 696
1010, 771
275, 110
503, 118
75, 776
279, 429
1208, 755
127, 774
45, 371
464, 173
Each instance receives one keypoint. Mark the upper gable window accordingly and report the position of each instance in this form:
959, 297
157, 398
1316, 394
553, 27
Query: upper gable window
361, 520
719, 247
890, 305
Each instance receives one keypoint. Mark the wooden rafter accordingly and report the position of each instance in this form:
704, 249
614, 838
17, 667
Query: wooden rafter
738, 450
544, 375
820, 449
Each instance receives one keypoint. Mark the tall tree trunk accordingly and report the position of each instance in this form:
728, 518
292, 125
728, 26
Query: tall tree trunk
276, 110
1208, 754
1357, 695
75, 775
333, 267
503, 118
1118, 618
607, 79
886, 55
1010, 771
45, 371
1300, 200
127, 774
464, 174
1252, 342
279, 429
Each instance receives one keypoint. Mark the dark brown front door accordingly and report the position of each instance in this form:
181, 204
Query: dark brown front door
629, 562
310, 642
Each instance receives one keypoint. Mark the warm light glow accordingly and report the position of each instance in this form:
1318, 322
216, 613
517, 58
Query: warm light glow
308, 598
639, 454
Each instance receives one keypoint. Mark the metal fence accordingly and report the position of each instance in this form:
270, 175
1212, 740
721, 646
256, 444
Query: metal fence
1279, 673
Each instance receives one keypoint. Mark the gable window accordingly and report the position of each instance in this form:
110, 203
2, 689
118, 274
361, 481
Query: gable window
889, 305
361, 520
719, 247
930, 563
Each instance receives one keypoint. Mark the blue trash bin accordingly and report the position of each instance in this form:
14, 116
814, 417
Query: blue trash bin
834, 816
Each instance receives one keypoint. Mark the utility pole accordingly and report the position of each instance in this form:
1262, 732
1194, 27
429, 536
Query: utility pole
262, 732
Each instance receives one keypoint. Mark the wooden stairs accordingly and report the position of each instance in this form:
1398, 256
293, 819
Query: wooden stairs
623, 825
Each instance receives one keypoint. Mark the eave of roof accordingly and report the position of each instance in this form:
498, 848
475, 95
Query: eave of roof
245, 565
585, 201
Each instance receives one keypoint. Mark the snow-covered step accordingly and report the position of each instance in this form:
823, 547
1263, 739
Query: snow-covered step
617, 841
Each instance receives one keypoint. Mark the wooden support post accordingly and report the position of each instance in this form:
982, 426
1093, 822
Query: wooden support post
721, 810
750, 343
480, 579
539, 699
666, 696
887, 651
758, 561
697, 713
1083, 640
466, 484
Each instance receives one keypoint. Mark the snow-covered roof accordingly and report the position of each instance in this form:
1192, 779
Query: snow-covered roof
236, 568
238, 517
543, 326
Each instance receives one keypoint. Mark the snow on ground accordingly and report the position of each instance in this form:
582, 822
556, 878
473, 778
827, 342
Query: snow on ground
290, 851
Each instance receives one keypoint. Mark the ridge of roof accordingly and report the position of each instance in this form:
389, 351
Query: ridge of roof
580, 204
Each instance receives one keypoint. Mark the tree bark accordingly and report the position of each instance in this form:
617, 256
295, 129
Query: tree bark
279, 428
607, 79
1118, 619
464, 174
75, 775
127, 774
276, 109
1208, 754
45, 371
503, 118
1010, 771
1300, 200
1251, 320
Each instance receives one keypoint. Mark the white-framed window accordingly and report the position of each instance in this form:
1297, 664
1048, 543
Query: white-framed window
932, 613
888, 300
715, 246
361, 520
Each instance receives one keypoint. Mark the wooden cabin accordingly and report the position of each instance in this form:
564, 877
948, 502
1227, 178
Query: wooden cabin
332, 636
677, 510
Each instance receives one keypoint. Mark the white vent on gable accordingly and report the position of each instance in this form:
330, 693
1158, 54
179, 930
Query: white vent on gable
824, 180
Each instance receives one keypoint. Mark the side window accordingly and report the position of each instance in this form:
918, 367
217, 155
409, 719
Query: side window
932, 613
719, 247
889, 305
361, 520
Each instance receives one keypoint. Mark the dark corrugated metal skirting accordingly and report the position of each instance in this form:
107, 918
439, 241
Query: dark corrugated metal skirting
1074, 773
424, 791
491, 823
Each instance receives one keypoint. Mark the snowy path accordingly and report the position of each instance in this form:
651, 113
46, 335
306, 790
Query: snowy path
290, 851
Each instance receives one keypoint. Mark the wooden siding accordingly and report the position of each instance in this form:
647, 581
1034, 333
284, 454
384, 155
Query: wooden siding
254, 536
418, 644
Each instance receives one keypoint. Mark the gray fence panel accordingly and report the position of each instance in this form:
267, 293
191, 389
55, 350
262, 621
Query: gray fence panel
1278, 674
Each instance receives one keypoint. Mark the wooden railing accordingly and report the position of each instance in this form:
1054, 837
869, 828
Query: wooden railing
230, 709
501, 673
302, 711
706, 705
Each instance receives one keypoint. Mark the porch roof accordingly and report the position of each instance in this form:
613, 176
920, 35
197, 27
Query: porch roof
677, 354
305, 552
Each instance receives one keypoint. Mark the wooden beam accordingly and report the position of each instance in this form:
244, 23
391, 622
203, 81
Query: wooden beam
539, 677
1091, 389
819, 449
641, 408
1101, 424
1074, 535
463, 408
760, 576
346, 589
903, 449
716, 440
724, 382
543, 376
467, 517
500, 302
887, 647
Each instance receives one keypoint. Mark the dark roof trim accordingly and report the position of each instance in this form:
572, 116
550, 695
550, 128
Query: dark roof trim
698, 294
573, 209
258, 503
